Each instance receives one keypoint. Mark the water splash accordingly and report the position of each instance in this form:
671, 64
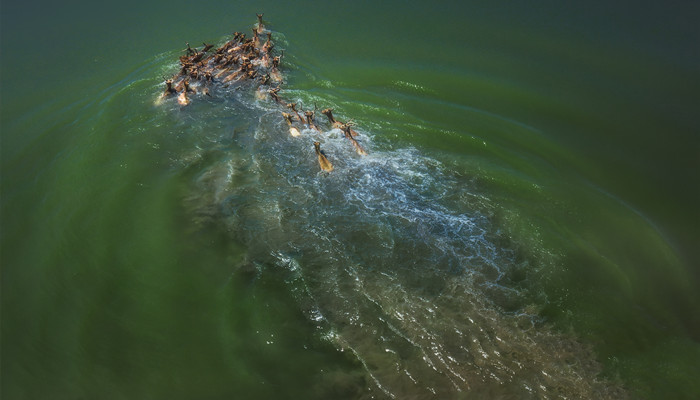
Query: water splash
390, 254
391, 257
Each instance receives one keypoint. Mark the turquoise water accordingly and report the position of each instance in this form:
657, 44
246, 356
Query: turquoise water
525, 225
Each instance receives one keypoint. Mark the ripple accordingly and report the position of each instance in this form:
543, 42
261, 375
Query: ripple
391, 258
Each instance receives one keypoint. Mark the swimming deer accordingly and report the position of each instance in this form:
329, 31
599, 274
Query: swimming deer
346, 130
256, 38
265, 59
169, 88
268, 45
169, 91
328, 112
322, 160
237, 39
293, 106
310, 120
189, 49
185, 86
261, 27
275, 73
207, 47
235, 75
182, 99
292, 129
273, 93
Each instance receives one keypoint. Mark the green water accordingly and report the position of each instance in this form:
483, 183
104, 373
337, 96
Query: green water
526, 219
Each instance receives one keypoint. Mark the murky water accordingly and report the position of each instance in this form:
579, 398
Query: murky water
505, 237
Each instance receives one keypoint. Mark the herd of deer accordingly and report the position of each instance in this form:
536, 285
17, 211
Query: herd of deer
248, 59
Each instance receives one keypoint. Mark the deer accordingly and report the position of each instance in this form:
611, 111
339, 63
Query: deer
256, 38
260, 28
346, 130
275, 73
328, 112
273, 93
294, 131
182, 99
310, 120
169, 88
207, 47
322, 160
293, 107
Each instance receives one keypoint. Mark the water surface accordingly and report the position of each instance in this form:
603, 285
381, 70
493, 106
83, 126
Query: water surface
525, 224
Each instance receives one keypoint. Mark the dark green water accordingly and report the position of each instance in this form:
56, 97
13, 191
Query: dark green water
525, 225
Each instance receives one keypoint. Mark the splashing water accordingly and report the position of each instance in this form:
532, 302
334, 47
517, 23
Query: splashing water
392, 255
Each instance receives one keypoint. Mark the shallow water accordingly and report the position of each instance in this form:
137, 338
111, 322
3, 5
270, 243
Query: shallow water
524, 225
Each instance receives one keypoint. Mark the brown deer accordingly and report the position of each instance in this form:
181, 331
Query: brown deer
169, 89
256, 38
273, 93
310, 120
275, 73
244, 68
294, 131
189, 49
182, 99
207, 47
328, 112
293, 106
268, 45
322, 160
185, 86
261, 27
346, 130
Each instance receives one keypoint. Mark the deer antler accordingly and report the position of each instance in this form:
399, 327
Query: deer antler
189, 49
273, 93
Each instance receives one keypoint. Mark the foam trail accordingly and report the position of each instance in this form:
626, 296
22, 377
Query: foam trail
392, 255
409, 285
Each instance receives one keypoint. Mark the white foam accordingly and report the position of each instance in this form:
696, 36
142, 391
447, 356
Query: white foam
384, 253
